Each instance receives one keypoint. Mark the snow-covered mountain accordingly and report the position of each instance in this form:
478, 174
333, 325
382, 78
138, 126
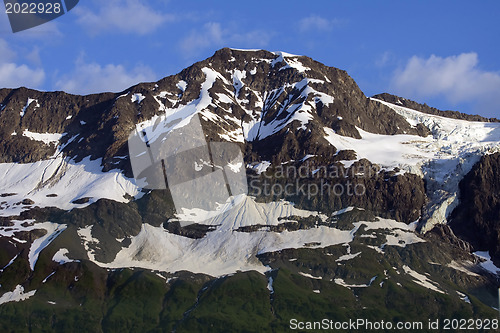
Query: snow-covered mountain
69, 199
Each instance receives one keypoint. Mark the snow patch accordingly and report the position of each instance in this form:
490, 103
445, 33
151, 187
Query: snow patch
399, 233
487, 264
311, 276
61, 257
181, 116
182, 85
236, 167
17, 295
53, 230
290, 60
270, 285
137, 98
260, 167
422, 280
64, 177
46, 138
246, 50
10, 262
389, 151
233, 136
48, 277
463, 297
238, 77
223, 98
348, 256
163, 94
307, 157
86, 235
462, 268
342, 283
224, 250
28, 103
342, 211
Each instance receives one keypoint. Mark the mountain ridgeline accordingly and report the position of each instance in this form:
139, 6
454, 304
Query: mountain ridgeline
261, 87
389, 199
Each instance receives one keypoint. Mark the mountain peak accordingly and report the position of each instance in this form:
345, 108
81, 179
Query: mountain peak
241, 96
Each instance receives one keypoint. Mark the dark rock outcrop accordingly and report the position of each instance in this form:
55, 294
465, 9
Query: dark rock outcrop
477, 218
324, 185
194, 231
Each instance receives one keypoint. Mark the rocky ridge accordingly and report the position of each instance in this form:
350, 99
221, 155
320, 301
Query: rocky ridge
408, 103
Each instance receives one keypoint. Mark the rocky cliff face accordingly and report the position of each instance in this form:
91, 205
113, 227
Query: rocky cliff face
477, 217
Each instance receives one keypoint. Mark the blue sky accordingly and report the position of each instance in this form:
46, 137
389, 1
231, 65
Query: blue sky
443, 53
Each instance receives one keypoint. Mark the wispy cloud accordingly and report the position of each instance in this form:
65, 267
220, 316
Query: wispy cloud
87, 78
318, 23
212, 34
385, 59
34, 56
129, 16
13, 75
6, 53
458, 78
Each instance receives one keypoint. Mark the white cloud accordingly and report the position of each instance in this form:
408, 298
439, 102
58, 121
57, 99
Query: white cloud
457, 78
88, 78
13, 75
212, 34
315, 22
130, 16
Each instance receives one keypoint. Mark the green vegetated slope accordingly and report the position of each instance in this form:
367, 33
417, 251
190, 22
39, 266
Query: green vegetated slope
85, 298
